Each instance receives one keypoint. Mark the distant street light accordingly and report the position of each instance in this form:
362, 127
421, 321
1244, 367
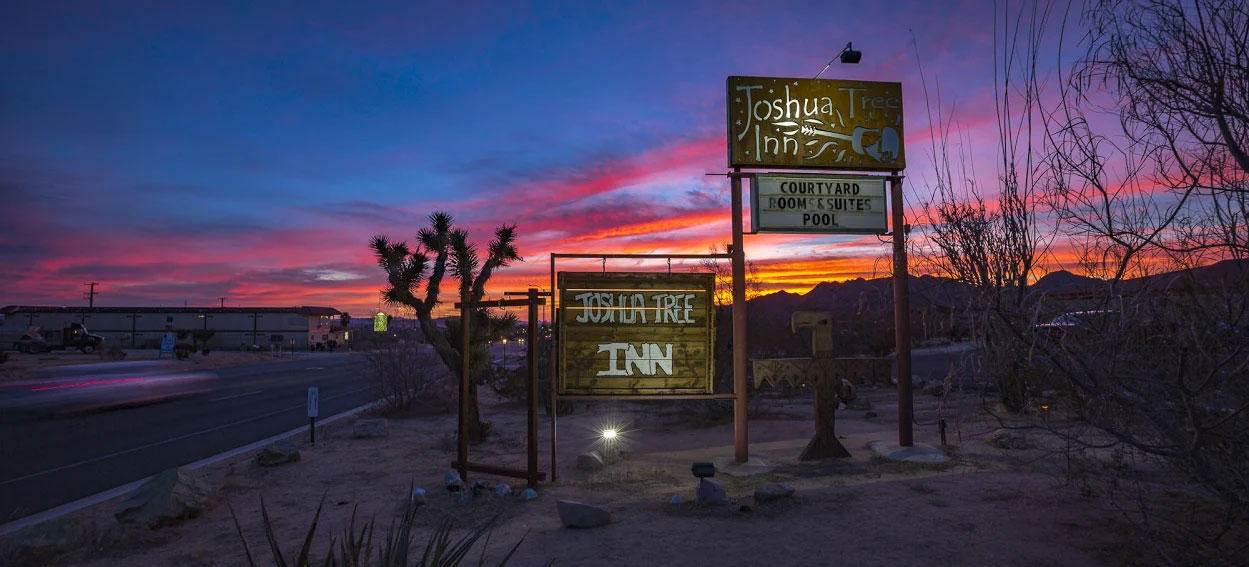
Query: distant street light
848, 55
505, 352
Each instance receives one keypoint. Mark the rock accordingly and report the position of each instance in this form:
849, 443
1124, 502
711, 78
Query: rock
591, 461
710, 493
578, 515
502, 489
528, 494
277, 453
367, 428
770, 492
869, 415
452, 480
465, 498
859, 403
165, 498
47, 538
744, 508
419, 497
1008, 439
675, 499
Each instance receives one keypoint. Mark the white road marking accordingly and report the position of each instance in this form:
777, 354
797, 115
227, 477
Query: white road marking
235, 396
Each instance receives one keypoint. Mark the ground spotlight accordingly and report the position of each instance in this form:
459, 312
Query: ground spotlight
609, 435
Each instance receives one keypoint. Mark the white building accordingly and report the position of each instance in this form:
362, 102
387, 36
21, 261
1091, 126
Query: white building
234, 327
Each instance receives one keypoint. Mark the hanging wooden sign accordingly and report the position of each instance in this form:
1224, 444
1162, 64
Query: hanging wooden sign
636, 333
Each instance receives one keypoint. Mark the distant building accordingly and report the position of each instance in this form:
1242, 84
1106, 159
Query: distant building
235, 327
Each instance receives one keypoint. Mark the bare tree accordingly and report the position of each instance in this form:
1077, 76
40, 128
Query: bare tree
441, 248
1146, 205
994, 246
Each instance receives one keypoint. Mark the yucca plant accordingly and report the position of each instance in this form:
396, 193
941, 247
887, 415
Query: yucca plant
355, 549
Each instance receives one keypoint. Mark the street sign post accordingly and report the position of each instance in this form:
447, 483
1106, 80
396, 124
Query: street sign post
166, 344
314, 409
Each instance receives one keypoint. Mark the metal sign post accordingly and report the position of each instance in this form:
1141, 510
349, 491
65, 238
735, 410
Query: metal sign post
901, 313
314, 409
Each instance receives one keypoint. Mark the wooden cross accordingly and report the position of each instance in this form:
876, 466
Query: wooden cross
832, 379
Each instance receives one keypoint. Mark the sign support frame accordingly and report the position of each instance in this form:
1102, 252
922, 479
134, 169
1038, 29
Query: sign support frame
739, 395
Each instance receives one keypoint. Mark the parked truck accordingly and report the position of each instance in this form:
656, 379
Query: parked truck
34, 340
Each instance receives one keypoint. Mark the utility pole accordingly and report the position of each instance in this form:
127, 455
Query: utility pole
90, 295
223, 303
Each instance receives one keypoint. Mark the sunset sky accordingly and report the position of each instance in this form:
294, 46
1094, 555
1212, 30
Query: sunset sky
176, 153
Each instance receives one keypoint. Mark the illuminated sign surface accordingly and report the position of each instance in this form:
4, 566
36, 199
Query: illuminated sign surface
636, 333
380, 322
826, 204
815, 123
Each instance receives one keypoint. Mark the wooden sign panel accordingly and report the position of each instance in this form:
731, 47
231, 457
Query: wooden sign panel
815, 123
817, 203
636, 333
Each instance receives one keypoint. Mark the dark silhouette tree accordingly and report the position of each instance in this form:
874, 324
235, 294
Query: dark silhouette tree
441, 250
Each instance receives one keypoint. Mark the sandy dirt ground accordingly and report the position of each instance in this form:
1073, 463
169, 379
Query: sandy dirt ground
22, 366
987, 506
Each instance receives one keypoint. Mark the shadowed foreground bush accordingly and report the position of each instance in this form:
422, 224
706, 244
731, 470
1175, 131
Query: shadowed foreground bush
355, 549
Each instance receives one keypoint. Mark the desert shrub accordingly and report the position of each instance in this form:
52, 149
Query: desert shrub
205, 351
183, 350
4, 357
355, 548
405, 377
111, 352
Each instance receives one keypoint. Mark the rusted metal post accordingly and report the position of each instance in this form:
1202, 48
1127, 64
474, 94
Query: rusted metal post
901, 313
554, 364
465, 376
740, 442
533, 388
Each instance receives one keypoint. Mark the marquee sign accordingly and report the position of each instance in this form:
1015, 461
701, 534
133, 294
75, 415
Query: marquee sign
636, 333
815, 123
825, 204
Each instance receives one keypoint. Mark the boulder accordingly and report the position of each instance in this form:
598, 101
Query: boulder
502, 489
770, 492
277, 453
710, 493
170, 496
419, 497
578, 515
591, 461
1008, 439
452, 480
859, 403
528, 494
47, 538
367, 428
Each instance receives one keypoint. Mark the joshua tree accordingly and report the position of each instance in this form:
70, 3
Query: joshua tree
440, 248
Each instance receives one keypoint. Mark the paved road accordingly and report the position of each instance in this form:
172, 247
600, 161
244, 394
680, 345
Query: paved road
49, 462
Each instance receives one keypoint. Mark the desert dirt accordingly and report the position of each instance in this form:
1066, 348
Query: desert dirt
987, 506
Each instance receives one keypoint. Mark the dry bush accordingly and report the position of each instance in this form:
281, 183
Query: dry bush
409, 378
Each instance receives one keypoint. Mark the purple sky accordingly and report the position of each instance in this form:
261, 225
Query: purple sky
179, 153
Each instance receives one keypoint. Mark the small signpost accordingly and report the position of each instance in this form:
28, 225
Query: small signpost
166, 344
314, 409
